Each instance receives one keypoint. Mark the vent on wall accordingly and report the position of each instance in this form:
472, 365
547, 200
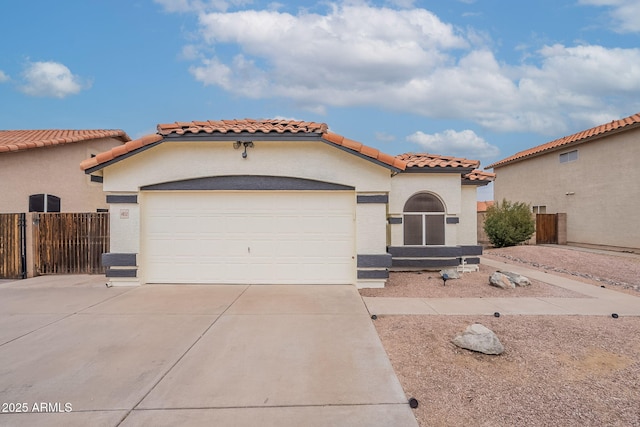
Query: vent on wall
44, 203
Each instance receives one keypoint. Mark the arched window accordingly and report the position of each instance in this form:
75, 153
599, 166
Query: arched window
423, 220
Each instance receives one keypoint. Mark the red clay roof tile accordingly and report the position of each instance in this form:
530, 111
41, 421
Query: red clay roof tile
426, 160
250, 126
17, 140
478, 175
579, 137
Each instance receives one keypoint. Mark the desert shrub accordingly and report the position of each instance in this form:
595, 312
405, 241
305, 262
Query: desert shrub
509, 223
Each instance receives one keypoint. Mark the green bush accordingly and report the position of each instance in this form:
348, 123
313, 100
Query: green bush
509, 223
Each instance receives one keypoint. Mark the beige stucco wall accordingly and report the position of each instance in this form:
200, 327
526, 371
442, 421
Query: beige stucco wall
605, 204
468, 226
52, 170
171, 161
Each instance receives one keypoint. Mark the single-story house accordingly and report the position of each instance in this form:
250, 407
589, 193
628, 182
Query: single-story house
39, 172
280, 202
591, 176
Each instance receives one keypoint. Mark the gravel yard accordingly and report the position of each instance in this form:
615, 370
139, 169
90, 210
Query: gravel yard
555, 371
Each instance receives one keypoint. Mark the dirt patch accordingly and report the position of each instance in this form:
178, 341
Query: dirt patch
556, 370
429, 284
618, 271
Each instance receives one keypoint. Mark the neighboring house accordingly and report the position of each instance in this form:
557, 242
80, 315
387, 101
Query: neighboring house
591, 176
482, 214
45, 162
280, 202
39, 172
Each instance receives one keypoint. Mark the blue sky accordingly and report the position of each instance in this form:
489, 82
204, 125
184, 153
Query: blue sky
480, 79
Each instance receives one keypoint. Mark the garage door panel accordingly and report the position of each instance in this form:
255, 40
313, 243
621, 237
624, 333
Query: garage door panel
248, 237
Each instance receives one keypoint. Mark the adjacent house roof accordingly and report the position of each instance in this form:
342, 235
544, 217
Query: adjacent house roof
231, 128
577, 138
17, 140
483, 206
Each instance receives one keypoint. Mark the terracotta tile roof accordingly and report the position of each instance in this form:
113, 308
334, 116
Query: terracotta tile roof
238, 126
242, 126
17, 140
425, 160
483, 206
579, 137
480, 176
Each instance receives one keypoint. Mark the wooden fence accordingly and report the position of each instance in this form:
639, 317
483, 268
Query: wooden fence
70, 243
546, 228
12, 246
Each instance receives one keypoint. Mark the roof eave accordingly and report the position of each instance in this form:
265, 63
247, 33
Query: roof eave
591, 138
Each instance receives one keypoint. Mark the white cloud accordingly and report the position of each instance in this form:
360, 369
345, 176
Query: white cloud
462, 144
3, 77
625, 14
409, 60
184, 6
50, 79
384, 137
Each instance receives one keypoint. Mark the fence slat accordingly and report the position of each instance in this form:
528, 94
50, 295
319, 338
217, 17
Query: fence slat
10, 246
70, 243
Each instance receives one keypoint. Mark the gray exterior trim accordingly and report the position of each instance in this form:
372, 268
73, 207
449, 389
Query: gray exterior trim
471, 250
453, 220
458, 170
96, 178
373, 274
382, 198
434, 251
425, 262
115, 198
111, 272
472, 260
369, 261
394, 220
122, 157
244, 137
477, 183
119, 260
248, 182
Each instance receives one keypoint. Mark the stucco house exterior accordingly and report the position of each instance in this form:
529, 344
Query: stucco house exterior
591, 176
39, 173
280, 202
46, 162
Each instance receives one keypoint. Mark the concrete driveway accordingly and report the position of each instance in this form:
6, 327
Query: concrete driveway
74, 352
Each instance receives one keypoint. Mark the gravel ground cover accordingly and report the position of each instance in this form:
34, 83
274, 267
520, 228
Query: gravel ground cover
555, 371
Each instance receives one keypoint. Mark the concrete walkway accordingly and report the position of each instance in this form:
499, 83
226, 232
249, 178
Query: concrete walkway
597, 301
208, 355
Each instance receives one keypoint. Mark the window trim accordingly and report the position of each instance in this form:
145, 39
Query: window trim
423, 220
569, 156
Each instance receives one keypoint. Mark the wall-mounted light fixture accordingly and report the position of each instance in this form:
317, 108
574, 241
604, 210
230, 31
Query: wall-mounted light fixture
246, 145
569, 193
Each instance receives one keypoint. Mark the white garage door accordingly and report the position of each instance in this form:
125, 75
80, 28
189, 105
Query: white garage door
249, 237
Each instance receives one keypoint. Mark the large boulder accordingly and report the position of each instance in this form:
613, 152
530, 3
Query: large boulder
479, 338
500, 280
517, 279
508, 280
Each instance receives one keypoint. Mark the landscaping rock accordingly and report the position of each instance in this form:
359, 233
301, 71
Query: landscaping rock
479, 338
517, 279
500, 280
452, 273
